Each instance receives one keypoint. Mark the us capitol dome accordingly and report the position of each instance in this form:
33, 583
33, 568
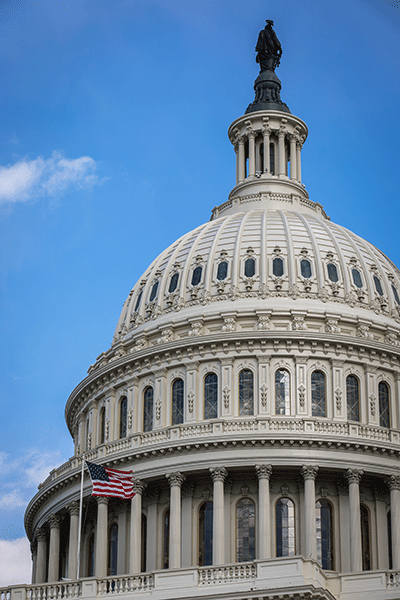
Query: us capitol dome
253, 387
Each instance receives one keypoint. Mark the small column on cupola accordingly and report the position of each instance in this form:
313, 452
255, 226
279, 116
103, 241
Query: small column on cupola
268, 139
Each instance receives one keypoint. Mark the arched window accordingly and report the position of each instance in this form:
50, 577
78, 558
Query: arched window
196, 277
222, 271
324, 526
123, 417
272, 159
395, 294
332, 272
357, 278
153, 292
318, 394
211, 396
148, 409
138, 300
378, 285
245, 530
365, 538
246, 393
173, 284
177, 401
143, 544
249, 267
102, 436
353, 398
285, 529
277, 267
282, 392
166, 539
90, 555
112, 549
305, 267
205, 533
384, 405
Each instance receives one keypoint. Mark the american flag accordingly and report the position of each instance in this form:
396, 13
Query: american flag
110, 482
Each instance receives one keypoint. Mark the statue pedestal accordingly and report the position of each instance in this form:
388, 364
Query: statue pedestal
267, 87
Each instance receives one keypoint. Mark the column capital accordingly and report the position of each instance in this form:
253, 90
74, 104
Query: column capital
354, 475
263, 471
101, 500
309, 472
394, 482
218, 473
73, 507
175, 478
139, 486
41, 534
55, 521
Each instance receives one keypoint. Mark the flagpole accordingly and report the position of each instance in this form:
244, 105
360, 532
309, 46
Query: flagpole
80, 521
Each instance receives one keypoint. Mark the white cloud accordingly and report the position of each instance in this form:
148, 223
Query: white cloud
15, 562
30, 179
21, 475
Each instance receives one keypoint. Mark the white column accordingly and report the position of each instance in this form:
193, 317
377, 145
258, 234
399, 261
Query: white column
136, 527
94, 429
54, 550
281, 150
34, 557
264, 520
242, 159
73, 509
101, 537
353, 477
252, 153
381, 527
309, 474
41, 556
298, 147
394, 485
218, 475
293, 157
175, 481
266, 133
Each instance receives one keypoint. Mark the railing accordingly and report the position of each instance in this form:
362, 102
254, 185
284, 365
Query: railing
392, 579
260, 574
125, 584
54, 591
229, 574
261, 425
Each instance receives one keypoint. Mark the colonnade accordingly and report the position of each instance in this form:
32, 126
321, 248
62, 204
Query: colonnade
46, 550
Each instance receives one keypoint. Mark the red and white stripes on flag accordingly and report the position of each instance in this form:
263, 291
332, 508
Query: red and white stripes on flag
110, 482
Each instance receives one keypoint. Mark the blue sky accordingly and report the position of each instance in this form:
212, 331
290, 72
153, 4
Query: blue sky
113, 143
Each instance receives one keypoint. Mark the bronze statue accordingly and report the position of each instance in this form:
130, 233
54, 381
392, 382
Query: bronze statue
269, 49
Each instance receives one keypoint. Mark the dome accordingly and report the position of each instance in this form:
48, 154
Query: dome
266, 249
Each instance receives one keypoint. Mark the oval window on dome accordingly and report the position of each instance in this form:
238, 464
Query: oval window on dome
249, 267
222, 272
357, 278
153, 292
277, 267
173, 284
305, 266
396, 295
332, 272
196, 277
378, 285
138, 301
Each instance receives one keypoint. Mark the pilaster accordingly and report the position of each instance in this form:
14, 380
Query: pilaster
264, 402
227, 387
